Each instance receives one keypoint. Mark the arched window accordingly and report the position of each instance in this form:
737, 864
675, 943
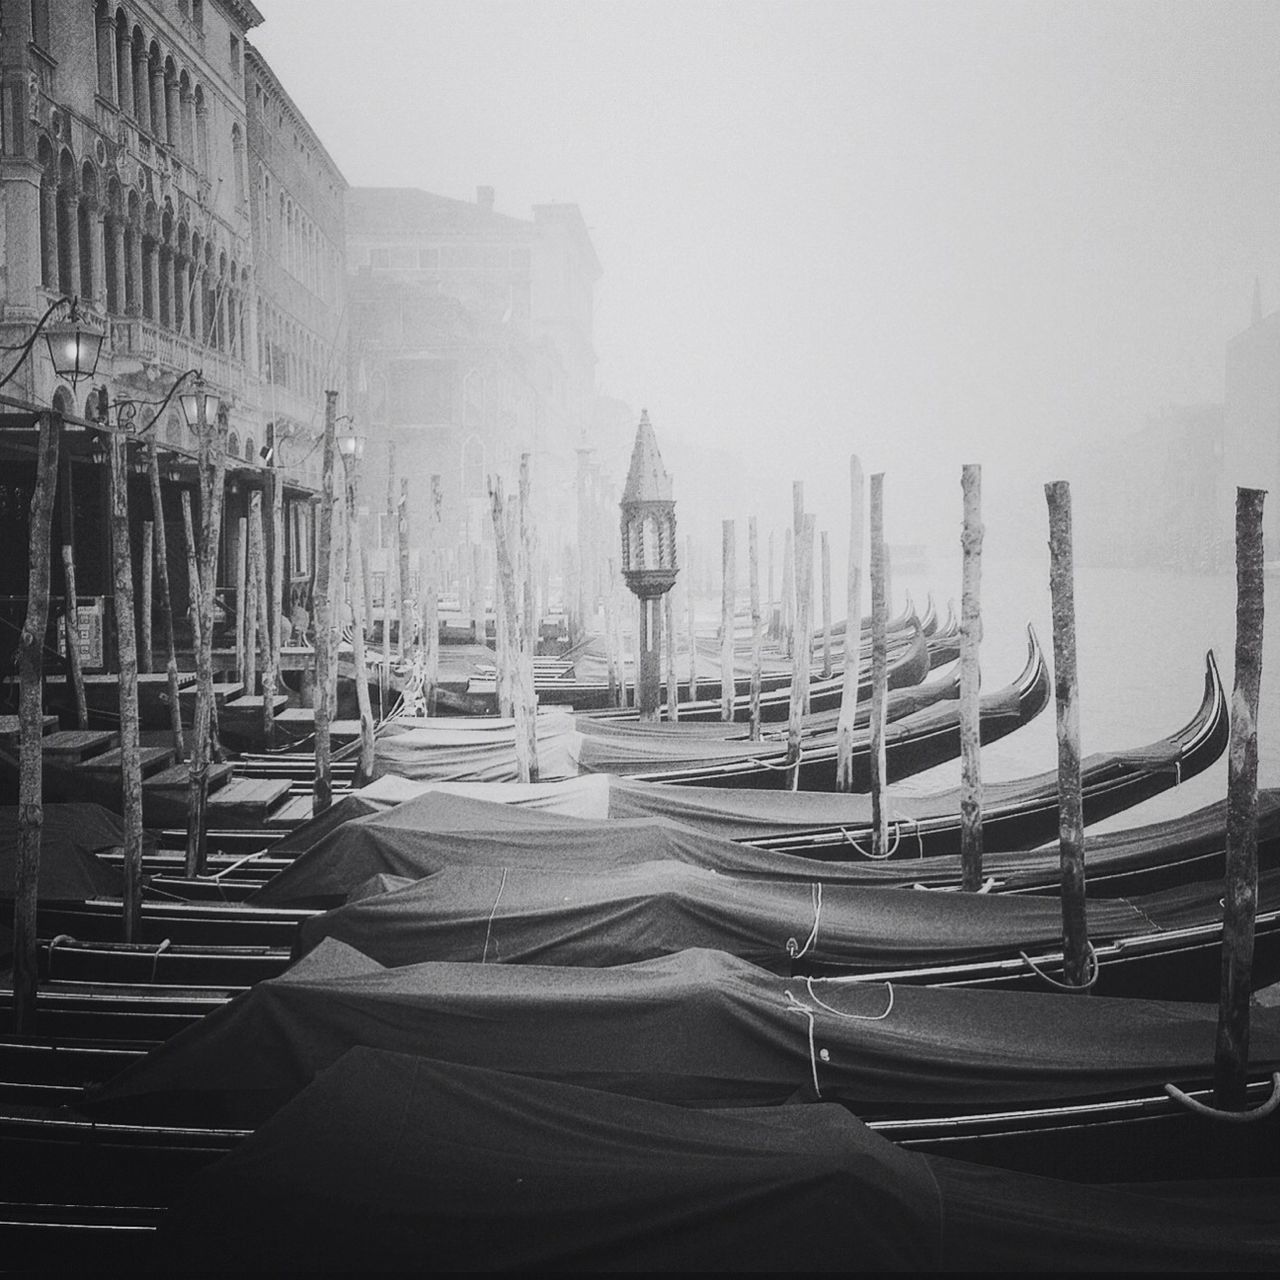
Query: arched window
187, 111
133, 255
138, 78
172, 104
202, 130
124, 63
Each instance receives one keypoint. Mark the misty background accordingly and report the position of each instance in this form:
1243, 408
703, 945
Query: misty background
928, 233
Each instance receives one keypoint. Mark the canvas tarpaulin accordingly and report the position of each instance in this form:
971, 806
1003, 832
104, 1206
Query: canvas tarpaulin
696, 1027
390, 1162
482, 752
70, 835
455, 825
500, 914
399, 1163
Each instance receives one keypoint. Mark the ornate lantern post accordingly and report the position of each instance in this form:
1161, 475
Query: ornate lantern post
648, 554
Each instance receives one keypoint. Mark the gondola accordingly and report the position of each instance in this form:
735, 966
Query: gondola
913, 744
703, 1028
1163, 946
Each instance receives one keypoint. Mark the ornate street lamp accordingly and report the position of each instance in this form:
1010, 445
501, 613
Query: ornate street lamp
73, 348
648, 554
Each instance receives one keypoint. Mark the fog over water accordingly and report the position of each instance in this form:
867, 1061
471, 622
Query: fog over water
928, 233
931, 233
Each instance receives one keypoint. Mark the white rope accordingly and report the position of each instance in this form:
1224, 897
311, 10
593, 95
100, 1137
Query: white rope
866, 853
1067, 986
794, 949
1230, 1117
857, 1017
484, 955
797, 1007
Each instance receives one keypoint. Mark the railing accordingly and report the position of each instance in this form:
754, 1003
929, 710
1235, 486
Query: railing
149, 342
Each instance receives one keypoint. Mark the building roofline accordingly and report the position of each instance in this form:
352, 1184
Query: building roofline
254, 55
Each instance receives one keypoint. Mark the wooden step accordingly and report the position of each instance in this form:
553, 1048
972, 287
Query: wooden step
11, 728
178, 777
247, 800
249, 705
70, 746
222, 691
293, 813
154, 759
300, 720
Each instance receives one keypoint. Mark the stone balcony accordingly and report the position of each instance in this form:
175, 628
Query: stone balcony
160, 348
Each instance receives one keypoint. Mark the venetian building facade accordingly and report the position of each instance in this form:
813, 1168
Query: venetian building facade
296, 215
471, 344
124, 186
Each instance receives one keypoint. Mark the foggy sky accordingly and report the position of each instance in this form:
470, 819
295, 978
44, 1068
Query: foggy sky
928, 233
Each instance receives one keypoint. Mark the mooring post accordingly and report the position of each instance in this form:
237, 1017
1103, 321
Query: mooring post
391, 570
212, 470
787, 630
1240, 901
144, 614
127, 649
673, 688
72, 629
1075, 932
166, 598
879, 673
257, 536
407, 628
322, 788
242, 586
275, 603
727, 683
357, 579
826, 606
31, 729
800, 662
772, 603
753, 562
507, 621
852, 633
255, 597
970, 639
693, 636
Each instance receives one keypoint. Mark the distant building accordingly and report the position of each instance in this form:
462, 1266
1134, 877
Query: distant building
471, 343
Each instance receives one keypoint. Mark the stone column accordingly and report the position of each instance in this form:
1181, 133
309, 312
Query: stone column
181, 320
172, 112
118, 264
164, 283
49, 235
153, 268
124, 74
135, 270
98, 251
107, 55
70, 221
155, 77
142, 92
197, 304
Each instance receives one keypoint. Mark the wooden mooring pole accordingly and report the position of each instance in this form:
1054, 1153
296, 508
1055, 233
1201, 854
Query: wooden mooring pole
144, 614
852, 633
753, 563
970, 639
322, 788
728, 584
127, 649
275, 602
241, 553
212, 471
1240, 901
693, 635
800, 660
357, 579
166, 596
507, 618
31, 729
1075, 932
673, 688
72, 629
879, 673
826, 606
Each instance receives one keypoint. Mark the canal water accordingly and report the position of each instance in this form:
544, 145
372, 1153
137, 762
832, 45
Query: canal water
1141, 641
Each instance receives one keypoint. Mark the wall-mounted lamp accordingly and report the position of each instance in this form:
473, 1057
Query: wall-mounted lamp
73, 348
